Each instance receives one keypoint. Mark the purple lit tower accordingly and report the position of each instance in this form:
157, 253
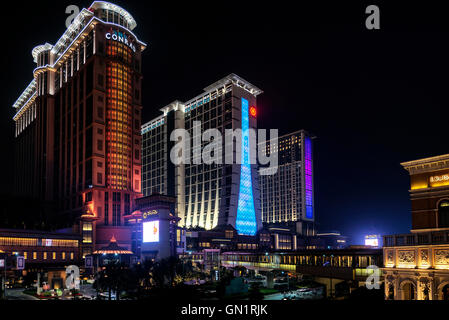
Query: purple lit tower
287, 197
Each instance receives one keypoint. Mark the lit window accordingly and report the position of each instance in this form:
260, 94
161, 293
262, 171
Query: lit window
34, 255
45, 255
87, 232
54, 256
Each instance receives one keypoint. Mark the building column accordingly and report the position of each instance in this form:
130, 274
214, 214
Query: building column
397, 289
424, 284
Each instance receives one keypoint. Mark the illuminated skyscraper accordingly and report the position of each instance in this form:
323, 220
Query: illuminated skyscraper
207, 195
287, 196
78, 141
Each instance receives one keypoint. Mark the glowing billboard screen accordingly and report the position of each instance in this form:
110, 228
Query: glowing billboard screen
372, 241
151, 231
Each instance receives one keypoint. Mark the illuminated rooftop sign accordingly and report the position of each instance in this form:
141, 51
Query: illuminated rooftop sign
442, 178
119, 36
439, 180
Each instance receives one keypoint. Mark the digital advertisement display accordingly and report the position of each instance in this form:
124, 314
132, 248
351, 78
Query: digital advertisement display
372, 241
151, 231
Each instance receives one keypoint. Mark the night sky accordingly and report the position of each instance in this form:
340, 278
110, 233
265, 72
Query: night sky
372, 98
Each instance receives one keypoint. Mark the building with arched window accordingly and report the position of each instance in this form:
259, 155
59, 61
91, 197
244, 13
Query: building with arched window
416, 265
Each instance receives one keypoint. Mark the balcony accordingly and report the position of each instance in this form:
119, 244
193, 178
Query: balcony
416, 239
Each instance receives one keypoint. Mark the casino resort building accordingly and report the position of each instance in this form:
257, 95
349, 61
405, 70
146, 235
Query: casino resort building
77, 125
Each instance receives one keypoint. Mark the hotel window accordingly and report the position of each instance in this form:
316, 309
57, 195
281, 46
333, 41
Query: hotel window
71, 255
100, 112
34, 255
64, 72
87, 232
89, 45
53, 255
25, 255
75, 60
127, 205
100, 145
45, 256
63, 256
443, 214
86, 252
100, 80
88, 196
57, 78
106, 208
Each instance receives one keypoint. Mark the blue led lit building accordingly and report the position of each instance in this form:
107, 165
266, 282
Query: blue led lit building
208, 195
287, 197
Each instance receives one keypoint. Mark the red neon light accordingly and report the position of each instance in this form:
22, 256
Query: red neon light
253, 111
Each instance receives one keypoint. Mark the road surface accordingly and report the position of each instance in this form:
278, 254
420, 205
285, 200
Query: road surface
17, 294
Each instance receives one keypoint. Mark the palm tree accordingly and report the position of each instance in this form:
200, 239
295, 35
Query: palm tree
115, 277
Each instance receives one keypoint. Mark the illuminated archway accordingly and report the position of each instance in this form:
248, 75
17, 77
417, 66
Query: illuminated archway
443, 291
408, 290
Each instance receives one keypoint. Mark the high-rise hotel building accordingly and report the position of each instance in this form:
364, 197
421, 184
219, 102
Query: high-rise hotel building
287, 196
208, 195
78, 142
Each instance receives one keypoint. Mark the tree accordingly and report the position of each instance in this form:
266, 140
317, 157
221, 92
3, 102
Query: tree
226, 276
254, 292
116, 277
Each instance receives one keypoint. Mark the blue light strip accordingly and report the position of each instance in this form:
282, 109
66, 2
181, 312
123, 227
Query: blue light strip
246, 214
153, 126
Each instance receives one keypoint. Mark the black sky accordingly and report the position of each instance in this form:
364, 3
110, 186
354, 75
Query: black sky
372, 98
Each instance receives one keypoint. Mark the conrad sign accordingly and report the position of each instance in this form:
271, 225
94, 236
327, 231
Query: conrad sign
119, 36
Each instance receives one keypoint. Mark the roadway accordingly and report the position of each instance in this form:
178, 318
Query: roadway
17, 294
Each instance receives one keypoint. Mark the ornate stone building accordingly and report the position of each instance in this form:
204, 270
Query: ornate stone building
416, 265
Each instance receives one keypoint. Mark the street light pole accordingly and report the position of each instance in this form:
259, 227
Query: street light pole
330, 265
